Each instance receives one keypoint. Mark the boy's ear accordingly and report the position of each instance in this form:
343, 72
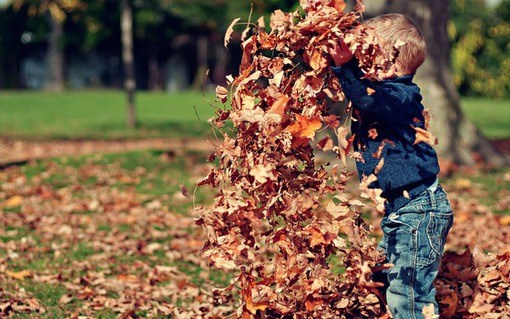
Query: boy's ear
390, 73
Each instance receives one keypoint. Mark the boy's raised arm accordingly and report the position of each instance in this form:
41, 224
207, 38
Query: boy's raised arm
369, 96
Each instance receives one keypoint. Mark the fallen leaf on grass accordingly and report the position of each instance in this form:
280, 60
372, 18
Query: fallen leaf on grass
13, 201
65, 299
19, 275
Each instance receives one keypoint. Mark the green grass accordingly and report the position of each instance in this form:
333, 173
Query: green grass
102, 114
491, 116
157, 174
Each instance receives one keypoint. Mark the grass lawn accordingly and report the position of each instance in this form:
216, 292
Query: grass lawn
102, 114
492, 116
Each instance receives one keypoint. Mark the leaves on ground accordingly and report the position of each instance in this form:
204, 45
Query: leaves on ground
86, 230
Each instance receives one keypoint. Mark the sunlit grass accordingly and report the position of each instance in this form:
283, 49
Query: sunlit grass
102, 114
491, 116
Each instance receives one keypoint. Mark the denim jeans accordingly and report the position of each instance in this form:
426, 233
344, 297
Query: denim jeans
413, 241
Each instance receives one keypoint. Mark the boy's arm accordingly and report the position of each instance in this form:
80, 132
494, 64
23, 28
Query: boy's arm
368, 96
355, 89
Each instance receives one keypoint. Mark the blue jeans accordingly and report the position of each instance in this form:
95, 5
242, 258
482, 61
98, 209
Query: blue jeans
413, 241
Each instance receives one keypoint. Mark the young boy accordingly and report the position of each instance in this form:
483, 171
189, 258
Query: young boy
418, 215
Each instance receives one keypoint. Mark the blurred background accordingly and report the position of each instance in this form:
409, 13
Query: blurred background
68, 44
76, 44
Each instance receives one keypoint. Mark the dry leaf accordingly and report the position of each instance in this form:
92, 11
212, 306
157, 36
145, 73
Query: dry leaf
379, 166
339, 5
304, 126
230, 30
13, 201
424, 136
221, 93
19, 275
184, 191
279, 106
372, 133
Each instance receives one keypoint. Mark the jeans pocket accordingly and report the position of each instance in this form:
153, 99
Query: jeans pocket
432, 245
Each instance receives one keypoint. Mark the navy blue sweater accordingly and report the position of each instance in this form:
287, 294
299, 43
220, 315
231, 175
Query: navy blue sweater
384, 118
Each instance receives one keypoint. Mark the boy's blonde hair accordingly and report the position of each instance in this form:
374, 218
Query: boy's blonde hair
397, 30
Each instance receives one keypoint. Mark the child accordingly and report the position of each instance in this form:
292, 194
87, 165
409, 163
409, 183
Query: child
418, 215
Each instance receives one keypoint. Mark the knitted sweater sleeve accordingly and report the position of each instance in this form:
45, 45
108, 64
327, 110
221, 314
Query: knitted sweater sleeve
383, 100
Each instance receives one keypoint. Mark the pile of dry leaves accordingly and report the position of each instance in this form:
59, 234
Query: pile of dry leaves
284, 223
473, 285
301, 247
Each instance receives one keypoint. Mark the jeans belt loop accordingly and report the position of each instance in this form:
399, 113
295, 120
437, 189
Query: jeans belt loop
431, 191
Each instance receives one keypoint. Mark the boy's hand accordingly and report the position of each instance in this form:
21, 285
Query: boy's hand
340, 53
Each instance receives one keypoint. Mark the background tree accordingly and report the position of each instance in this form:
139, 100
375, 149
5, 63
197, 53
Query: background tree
19, 35
126, 22
56, 13
206, 21
460, 141
481, 47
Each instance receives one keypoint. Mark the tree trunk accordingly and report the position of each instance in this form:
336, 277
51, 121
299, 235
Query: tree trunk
459, 140
220, 69
200, 76
55, 55
126, 22
154, 73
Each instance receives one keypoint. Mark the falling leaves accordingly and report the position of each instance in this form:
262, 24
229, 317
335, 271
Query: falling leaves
370, 91
221, 93
270, 220
184, 191
304, 127
229, 31
425, 136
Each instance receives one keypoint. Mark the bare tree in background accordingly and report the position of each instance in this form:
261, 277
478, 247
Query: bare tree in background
56, 12
126, 22
460, 141
55, 54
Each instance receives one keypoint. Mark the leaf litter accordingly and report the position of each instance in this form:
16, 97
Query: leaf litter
112, 248
89, 232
